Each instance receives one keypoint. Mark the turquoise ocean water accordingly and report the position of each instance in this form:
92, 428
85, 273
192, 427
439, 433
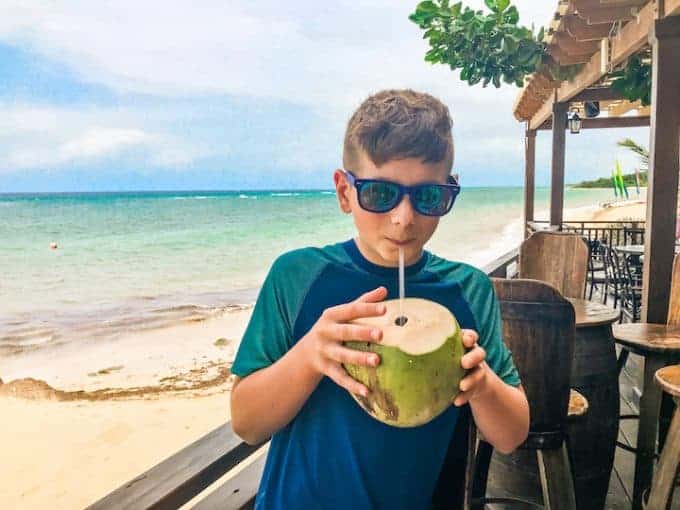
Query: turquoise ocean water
127, 260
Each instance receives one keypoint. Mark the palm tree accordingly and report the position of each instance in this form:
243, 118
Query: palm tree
629, 143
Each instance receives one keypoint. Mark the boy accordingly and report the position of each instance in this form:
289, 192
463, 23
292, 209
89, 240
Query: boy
327, 452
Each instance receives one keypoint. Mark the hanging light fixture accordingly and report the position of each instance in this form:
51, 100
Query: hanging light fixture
592, 109
574, 122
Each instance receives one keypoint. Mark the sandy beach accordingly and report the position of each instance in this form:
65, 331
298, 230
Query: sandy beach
72, 434
79, 420
66, 455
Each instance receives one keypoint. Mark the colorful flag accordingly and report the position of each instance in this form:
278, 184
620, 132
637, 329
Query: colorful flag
619, 175
615, 184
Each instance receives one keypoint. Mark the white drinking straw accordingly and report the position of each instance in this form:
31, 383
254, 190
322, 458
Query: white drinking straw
401, 283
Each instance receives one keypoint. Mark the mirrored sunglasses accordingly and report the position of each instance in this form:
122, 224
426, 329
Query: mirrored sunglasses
379, 196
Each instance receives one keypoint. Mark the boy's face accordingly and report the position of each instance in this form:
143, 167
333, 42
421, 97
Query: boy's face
380, 235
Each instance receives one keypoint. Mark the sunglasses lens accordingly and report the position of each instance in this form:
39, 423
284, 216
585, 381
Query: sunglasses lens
433, 200
378, 196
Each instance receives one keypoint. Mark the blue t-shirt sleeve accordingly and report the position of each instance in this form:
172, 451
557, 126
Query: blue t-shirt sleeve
268, 335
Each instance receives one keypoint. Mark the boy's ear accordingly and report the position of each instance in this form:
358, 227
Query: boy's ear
342, 190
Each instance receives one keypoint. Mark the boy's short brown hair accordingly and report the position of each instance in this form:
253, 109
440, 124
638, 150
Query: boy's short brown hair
399, 124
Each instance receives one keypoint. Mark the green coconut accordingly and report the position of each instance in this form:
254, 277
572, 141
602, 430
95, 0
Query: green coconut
419, 369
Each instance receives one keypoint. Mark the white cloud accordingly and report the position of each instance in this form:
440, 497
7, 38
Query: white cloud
91, 144
100, 141
326, 57
329, 56
51, 137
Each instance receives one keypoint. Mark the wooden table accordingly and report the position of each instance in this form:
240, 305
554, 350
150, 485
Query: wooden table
591, 313
631, 249
636, 249
659, 345
594, 373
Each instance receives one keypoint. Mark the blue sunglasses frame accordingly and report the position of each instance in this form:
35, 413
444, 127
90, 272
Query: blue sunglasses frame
453, 187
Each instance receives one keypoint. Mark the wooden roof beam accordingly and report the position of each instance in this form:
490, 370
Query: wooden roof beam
597, 94
567, 59
542, 90
564, 7
631, 38
606, 123
544, 81
598, 4
574, 47
581, 30
623, 107
608, 14
672, 7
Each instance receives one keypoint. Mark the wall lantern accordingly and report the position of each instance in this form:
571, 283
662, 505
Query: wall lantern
574, 122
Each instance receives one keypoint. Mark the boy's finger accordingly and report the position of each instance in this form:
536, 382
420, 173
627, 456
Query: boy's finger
359, 309
349, 332
349, 356
470, 337
473, 358
461, 399
469, 381
355, 310
341, 378
377, 294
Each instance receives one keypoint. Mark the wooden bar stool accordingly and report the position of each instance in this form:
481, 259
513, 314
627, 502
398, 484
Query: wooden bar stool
539, 329
661, 495
659, 345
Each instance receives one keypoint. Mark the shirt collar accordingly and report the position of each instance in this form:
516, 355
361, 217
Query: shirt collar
352, 250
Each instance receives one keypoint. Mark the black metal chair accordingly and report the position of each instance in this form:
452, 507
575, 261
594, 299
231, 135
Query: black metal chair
615, 279
596, 269
631, 291
634, 235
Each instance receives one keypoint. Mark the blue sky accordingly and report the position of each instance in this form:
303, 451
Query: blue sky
235, 95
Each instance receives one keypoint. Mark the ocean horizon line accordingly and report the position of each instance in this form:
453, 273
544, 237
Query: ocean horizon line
215, 191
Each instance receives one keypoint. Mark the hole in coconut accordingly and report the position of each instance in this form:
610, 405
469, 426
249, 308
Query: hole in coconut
401, 320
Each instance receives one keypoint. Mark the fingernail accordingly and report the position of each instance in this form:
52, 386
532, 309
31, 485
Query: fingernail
374, 360
364, 392
381, 308
375, 334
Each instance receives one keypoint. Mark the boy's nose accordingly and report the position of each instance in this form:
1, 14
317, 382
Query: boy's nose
403, 213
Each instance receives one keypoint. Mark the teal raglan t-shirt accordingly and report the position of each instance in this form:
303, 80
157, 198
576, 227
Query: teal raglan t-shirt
333, 455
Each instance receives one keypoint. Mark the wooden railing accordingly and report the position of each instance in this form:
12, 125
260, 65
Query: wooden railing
194, 475
614, 233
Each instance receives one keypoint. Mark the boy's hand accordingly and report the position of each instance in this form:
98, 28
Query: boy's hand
324, 340
474, 383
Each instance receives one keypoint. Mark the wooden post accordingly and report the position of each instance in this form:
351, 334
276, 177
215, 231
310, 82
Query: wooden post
558, 149
662, 189
529, 177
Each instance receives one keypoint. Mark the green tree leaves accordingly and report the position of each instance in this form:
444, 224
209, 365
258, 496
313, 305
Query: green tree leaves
486, 47
490, 47
634, 82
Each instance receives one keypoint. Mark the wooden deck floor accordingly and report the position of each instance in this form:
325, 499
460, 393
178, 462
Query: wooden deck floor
620, 492
621, 483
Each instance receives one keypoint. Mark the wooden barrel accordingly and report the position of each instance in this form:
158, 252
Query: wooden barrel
592, 437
